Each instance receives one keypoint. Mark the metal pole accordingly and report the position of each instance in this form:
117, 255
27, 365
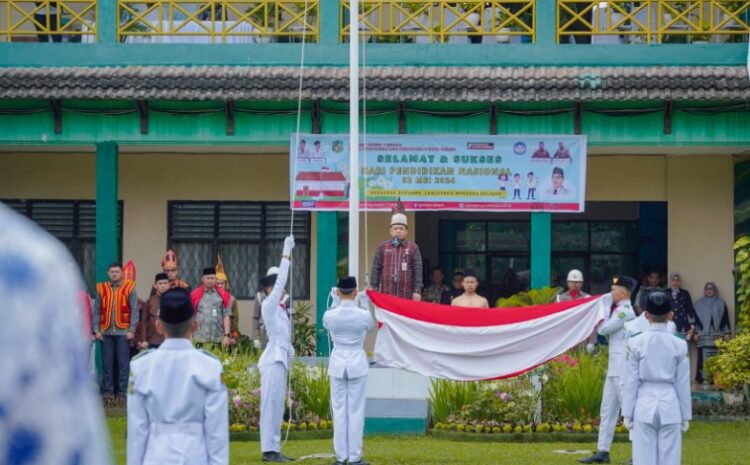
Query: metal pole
354, 138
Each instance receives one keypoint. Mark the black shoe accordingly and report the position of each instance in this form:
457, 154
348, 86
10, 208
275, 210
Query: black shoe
275, 457
338, 463
599, 456
359, 462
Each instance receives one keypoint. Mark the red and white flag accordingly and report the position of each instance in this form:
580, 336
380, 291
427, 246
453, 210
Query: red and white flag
467, 344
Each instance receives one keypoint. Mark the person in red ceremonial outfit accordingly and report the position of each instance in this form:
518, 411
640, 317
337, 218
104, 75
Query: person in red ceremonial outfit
169, 266
397, 265
114, 319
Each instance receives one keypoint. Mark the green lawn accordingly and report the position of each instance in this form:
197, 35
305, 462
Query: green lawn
707, 443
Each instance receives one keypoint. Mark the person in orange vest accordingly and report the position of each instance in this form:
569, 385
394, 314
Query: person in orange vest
114, 319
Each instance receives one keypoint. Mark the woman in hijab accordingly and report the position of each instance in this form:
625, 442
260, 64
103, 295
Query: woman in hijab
682, 306
712, 323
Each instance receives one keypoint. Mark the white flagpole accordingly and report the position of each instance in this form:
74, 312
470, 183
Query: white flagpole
354, 138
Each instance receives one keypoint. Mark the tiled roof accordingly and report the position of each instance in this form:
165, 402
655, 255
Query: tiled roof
402, 83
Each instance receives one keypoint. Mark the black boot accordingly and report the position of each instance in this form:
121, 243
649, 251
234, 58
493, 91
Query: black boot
599, 456
275, 457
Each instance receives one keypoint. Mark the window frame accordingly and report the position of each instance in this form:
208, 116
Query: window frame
261, 243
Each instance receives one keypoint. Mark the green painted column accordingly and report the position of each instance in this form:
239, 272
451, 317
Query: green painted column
546, 22
541, 249
106, 207
329, 22
107, 22
326, 246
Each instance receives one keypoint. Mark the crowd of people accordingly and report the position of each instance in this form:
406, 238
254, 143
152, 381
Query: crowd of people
177, 402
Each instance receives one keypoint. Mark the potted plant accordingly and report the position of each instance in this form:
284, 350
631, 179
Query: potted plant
420, 21
505, 26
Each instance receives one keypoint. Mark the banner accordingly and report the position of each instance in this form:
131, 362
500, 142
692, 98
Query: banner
469, 344
517, 173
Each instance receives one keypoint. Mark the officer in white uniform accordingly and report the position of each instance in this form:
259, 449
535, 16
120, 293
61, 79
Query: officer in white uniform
177, 402
274, 363
614, 327
656, 392
348, 325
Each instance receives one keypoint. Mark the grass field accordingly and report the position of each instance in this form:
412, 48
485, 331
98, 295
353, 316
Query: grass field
707, 443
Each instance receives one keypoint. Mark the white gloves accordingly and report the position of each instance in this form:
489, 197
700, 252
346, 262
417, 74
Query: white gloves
364, 300
628, 422
590, 348
290, 352
685, 426
335, 299
256, 343
288, 246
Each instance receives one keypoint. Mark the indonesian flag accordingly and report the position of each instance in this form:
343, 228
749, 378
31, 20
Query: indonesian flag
468, 344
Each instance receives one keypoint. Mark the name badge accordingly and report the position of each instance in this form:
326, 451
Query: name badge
403, 266
214, 312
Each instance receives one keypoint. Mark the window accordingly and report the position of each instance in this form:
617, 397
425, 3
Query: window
249, 236
73, 222
600, 249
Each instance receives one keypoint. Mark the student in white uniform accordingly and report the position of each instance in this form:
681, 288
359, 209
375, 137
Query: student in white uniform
274, 363
177, 402
656, 393
614, 327
347, 368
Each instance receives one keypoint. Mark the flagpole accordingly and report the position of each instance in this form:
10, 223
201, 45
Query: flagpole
354, 138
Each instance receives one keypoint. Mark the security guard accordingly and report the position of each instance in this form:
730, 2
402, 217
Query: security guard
177, 402
575, 286
347, 368
656, 391
274, 363
614, 327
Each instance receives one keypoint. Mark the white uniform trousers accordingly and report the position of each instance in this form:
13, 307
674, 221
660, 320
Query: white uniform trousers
609, 412
272, 395
656, 444
348, 405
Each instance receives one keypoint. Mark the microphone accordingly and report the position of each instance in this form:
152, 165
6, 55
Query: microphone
394, 241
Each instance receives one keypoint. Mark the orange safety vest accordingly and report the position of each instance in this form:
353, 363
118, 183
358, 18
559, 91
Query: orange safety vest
122, 307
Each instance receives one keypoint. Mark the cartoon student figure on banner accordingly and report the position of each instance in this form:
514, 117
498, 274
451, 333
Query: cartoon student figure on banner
503, 178
557, 188
517, 186
531, 186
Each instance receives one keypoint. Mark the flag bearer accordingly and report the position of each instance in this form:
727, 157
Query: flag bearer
274, 363
348, 325
614, 327
656, 392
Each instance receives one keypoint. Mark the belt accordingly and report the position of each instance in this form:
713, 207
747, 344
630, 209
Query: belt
657, 383
348, 347
193, 427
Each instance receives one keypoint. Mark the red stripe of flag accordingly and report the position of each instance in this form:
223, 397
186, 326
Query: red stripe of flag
468, 317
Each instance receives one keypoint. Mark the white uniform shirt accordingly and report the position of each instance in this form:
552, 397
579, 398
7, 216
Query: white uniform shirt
348, 326
657, 378
641, 324
614, 327
278, 326
177, 407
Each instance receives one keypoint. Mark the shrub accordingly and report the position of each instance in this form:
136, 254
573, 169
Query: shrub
575, 386
731, 366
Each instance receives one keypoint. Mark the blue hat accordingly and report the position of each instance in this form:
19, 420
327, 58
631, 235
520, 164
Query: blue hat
175, 306
658, 303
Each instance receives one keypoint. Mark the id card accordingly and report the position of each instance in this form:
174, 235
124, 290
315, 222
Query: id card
403, 266
214, 312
